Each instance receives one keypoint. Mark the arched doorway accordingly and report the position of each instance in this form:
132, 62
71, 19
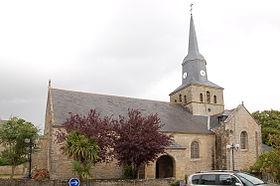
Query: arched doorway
164, 167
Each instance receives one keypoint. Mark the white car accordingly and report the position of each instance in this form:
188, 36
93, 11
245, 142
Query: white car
224, 177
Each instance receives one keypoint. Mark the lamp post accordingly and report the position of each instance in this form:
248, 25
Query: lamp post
30, 146
231, 148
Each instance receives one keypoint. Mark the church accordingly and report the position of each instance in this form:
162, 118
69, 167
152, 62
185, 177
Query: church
206, 136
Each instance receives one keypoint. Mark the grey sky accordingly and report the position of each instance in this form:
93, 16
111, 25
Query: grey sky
135, 48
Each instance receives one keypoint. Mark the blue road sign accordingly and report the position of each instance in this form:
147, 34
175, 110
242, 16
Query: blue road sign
74, 182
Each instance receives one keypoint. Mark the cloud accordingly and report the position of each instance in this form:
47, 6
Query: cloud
134, 48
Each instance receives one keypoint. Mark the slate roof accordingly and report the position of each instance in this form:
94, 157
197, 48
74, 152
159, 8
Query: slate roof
266, 148
193, 52
175, 117
193, 81
215, 120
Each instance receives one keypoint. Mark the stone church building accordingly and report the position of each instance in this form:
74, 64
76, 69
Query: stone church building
206, 136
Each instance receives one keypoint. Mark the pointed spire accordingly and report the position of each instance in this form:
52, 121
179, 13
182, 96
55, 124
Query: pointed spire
193, 52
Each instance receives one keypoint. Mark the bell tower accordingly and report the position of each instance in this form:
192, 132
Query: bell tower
197, 93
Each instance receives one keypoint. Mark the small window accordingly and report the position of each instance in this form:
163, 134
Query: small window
208, 96
201, 97
195, 149
185, 99
244, 140
226, 179
180, 98
195, 179
208, 179
175, 100
215, 99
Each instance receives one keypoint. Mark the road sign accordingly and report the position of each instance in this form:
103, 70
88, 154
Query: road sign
74, 182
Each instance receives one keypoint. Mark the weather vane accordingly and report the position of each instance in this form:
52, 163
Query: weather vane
50, 82
191, 8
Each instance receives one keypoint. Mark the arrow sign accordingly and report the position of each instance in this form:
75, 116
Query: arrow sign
74, 182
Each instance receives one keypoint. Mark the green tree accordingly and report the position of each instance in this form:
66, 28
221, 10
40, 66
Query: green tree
83, 150
12, 135
270, 123
269, 162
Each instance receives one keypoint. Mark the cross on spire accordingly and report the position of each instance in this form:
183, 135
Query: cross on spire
50, 83
191, 5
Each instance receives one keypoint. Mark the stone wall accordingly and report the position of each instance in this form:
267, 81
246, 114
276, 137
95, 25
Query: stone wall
222, 139
229, 133
243, 121
39, 157
194, 105
27, 182
183, 163
61, 166
205, 160
20, 169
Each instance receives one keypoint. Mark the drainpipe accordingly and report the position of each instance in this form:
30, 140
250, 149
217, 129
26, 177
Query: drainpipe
208, 123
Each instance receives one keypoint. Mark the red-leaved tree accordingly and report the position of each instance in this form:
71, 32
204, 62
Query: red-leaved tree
93, 126
139, 140
133, 140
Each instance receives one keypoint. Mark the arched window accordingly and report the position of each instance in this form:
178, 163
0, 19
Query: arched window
195, 149
208, 96
244, 140
185, 99
215, 99
201, 97
175, 100
180, 98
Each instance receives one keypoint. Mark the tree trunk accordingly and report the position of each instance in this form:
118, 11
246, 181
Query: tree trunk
13, 171
81, 179
135, 172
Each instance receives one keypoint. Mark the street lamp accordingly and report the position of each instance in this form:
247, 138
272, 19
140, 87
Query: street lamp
232, 147
31, 145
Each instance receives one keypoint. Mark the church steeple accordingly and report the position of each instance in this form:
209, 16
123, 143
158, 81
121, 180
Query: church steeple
196, 93
193, 52
194, 64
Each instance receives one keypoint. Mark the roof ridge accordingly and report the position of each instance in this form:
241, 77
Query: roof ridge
84, 92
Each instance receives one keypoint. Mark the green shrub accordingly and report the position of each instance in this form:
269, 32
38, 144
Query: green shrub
177, 182
7, 161
268, 163
128, 172
186, 178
